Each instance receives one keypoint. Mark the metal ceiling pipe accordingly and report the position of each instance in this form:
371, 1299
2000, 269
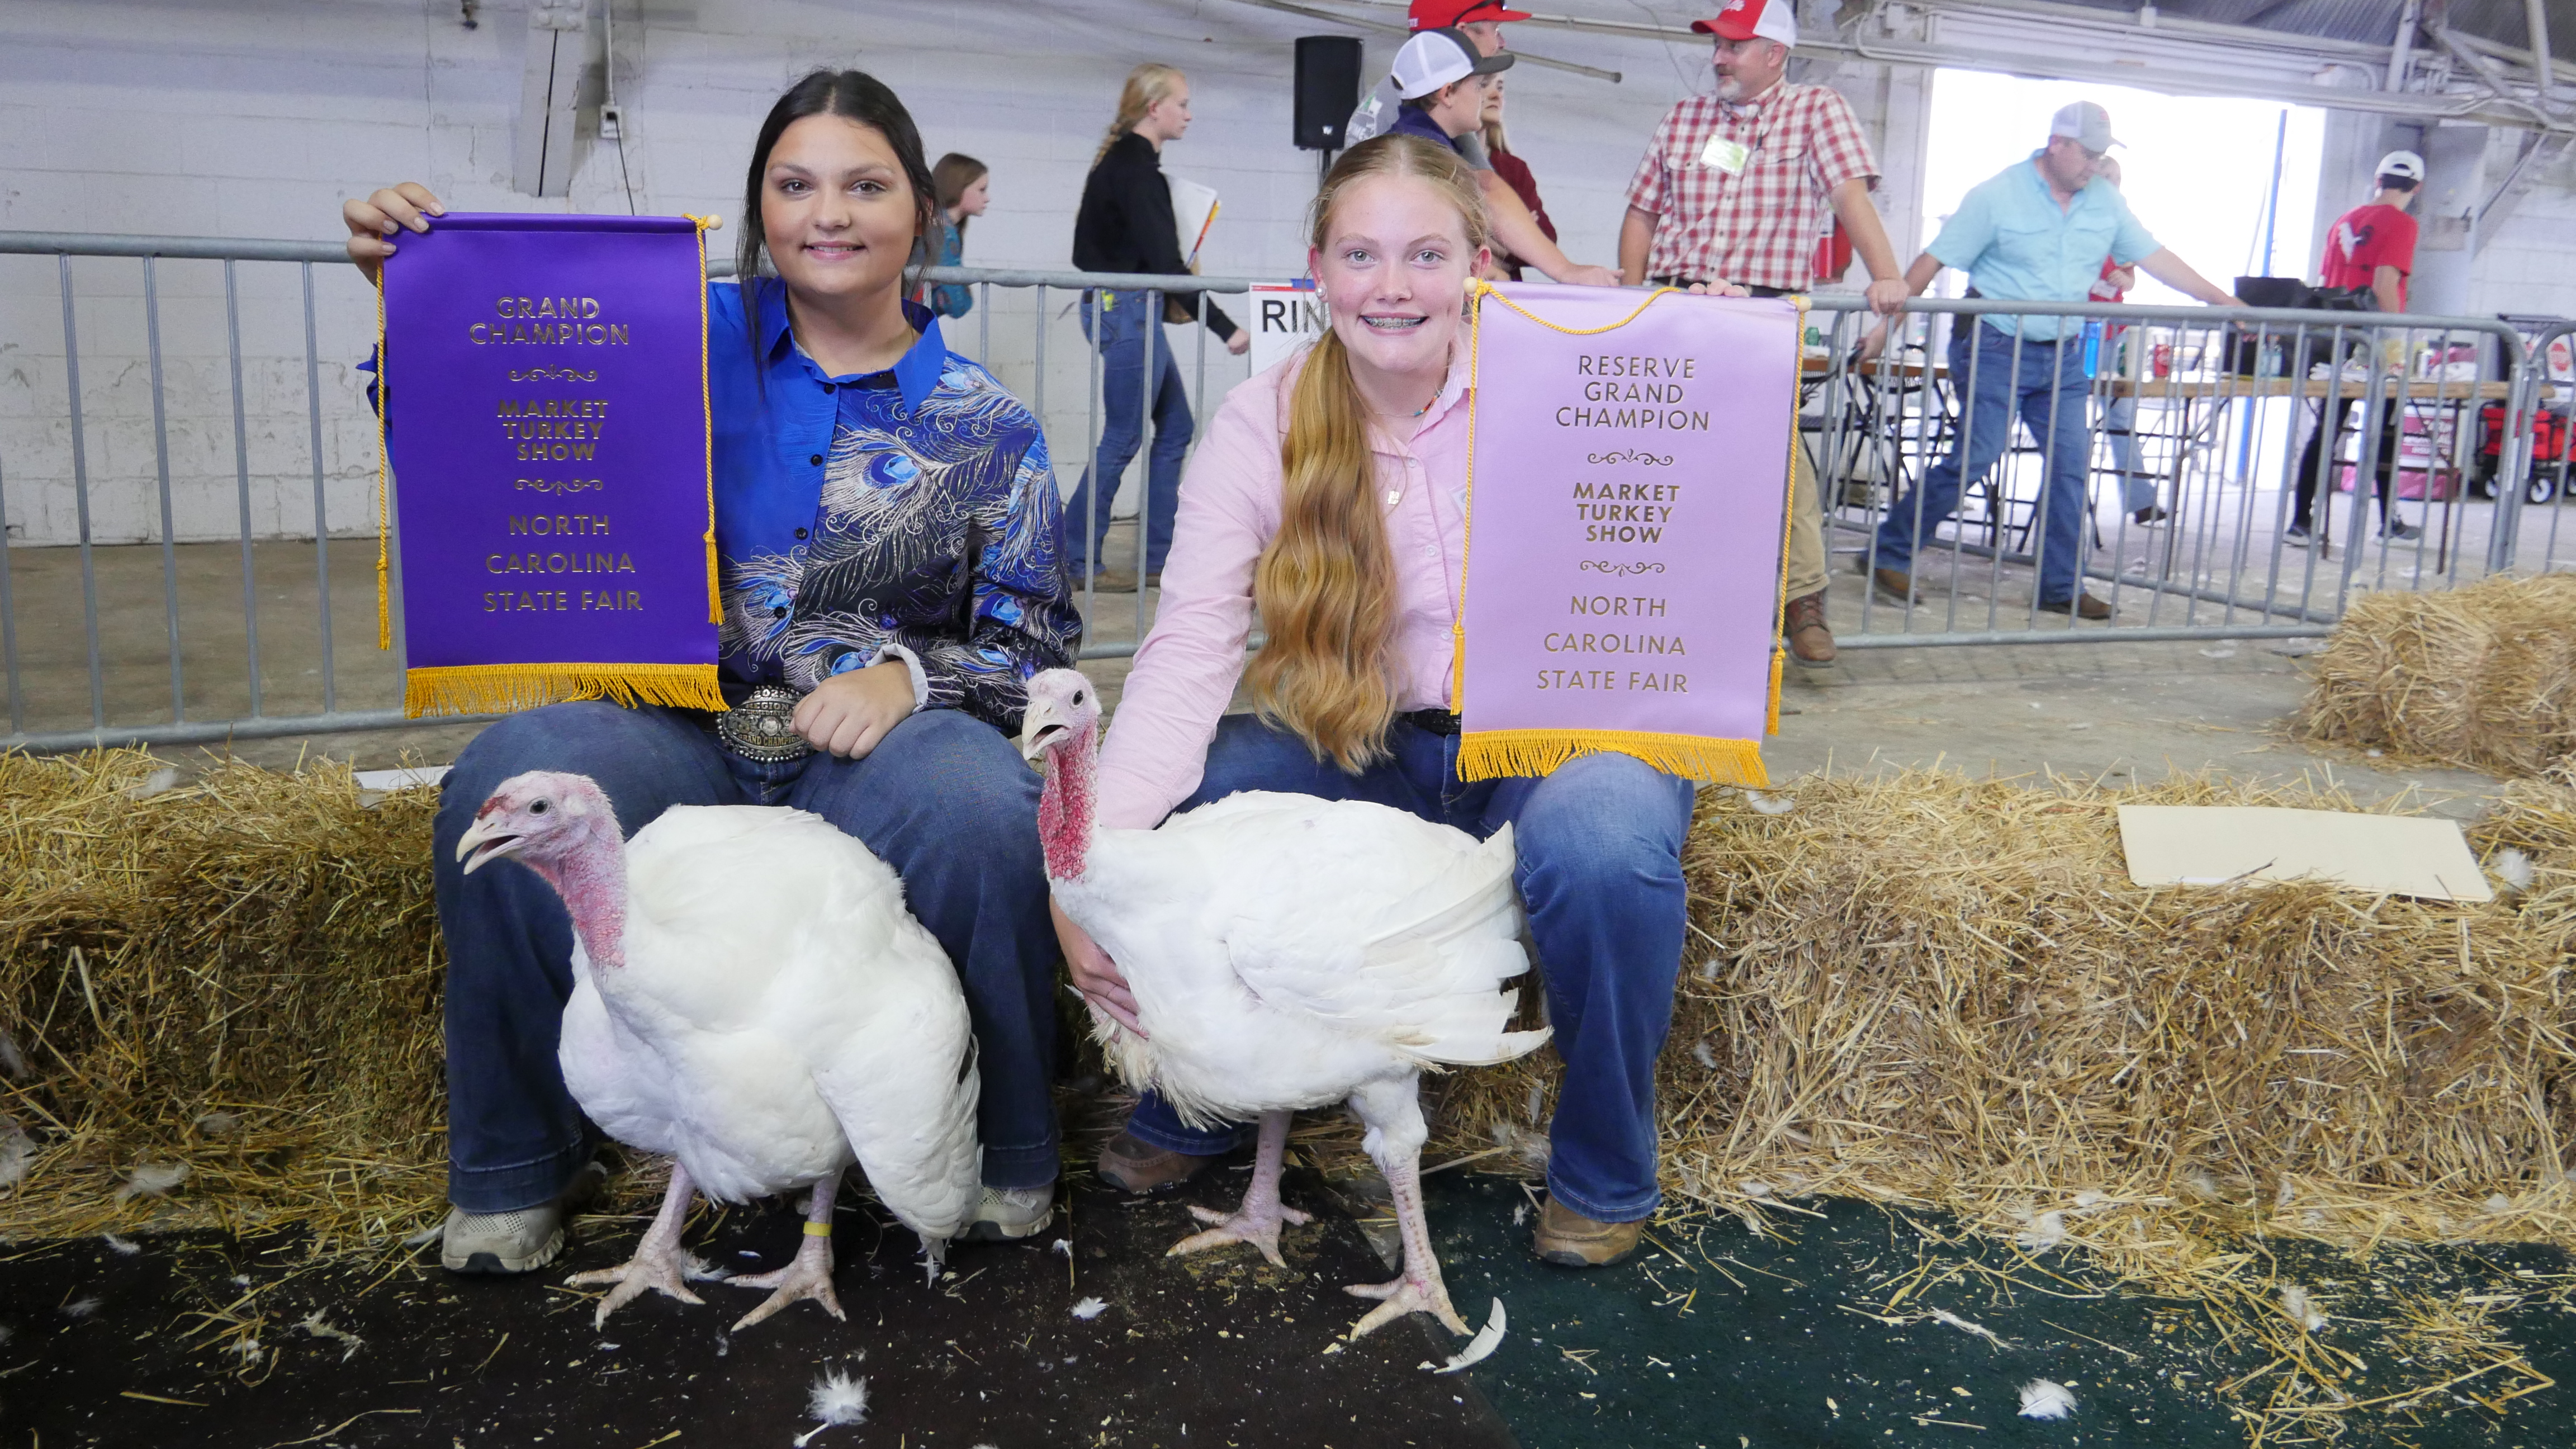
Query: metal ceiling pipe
2543, 64
2403, 48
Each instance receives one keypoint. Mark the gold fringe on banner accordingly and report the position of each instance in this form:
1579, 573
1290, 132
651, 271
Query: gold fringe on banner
1495, 754
384, 471
503, 688
707, 400
1788, 513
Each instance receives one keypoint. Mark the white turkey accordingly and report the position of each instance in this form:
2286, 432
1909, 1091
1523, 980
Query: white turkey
1287, 953
750, 997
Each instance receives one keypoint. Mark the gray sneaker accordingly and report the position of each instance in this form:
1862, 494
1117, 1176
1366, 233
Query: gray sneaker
513, 1242
1011, 1213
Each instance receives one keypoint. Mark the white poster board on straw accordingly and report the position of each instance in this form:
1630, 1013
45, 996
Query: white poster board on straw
2396, 855
1285, 317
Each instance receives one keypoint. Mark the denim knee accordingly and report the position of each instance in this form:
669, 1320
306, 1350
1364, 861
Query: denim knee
1600, 822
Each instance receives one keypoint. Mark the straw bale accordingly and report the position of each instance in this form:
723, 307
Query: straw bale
2483, 677
238, 977
1923, 988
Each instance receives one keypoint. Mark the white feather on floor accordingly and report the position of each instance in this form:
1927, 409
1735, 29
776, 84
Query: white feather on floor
1089, 1308
152, 1179
836, 1398
1481, 1347
2513, 868
17, 1150
122, 1247
82, 1307
314, 1324
2045, 1231
2300, 1309
2045, 1399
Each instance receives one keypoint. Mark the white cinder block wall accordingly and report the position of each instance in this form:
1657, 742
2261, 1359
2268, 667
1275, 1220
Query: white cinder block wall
256, 118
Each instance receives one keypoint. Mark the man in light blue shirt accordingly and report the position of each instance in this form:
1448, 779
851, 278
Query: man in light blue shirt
2036, 232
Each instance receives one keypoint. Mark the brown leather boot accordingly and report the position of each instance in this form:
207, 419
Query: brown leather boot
1131, 1164
1811, 643
1895, 586
1568, 1239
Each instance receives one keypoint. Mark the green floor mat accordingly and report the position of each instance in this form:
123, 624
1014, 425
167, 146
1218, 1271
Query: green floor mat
1715, 1337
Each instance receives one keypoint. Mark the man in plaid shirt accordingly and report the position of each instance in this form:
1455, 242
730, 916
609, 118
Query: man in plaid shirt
1734, 188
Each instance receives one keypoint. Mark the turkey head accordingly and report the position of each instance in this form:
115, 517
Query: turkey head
1062, 726
562, 827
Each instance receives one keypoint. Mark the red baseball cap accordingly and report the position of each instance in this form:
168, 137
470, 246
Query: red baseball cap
1748, 19
1435, 14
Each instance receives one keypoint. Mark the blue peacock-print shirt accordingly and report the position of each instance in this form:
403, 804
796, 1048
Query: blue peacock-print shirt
908, 514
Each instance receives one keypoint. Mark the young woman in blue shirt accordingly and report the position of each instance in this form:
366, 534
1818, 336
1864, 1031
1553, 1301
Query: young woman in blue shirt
892, 573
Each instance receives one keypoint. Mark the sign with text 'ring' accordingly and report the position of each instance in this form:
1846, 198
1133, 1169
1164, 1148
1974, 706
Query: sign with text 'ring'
1628, 476
544, 405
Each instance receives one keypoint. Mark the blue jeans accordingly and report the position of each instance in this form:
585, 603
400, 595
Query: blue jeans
2120, 428
1123, 325
1599, 845
2049, 383
944, 799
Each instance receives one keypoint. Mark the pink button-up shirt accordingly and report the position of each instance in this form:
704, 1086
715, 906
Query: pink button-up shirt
1186, 671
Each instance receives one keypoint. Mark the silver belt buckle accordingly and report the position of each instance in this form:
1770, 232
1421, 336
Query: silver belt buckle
761, 728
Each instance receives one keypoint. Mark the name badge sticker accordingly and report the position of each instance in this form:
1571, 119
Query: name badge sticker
1727, 156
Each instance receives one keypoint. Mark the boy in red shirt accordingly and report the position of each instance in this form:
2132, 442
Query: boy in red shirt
2370, 250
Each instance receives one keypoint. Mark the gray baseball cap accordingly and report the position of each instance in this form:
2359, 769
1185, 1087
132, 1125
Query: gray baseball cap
2088, 123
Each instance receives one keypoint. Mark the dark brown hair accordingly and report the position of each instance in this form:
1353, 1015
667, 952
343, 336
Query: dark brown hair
853, 95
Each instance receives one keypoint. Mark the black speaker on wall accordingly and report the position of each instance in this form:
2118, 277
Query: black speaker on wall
1328, 89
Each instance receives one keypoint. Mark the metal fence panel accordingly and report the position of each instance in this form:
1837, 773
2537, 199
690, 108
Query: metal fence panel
250, 397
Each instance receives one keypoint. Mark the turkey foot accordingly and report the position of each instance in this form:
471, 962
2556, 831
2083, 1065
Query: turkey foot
809, 1273
1420, 1290
1405, 1295
1257, 1221
658, 1263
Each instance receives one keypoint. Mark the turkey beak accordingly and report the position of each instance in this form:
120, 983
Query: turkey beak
1041, 727
493, 843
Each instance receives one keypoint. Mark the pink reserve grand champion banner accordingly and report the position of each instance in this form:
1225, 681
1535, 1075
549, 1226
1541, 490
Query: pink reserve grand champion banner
545, 412
1627, 528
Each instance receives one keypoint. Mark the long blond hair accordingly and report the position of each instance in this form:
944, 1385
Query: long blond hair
1326, 584
1146, 85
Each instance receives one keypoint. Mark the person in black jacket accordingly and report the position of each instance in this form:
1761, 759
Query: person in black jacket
1126, 225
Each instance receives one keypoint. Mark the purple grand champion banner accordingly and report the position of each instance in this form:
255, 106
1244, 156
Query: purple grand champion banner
545, 414
1627, 526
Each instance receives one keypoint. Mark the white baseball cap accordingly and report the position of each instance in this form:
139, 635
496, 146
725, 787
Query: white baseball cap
2402, 163
1434, 58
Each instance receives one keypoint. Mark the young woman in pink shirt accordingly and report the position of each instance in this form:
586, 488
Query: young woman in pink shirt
1330, 495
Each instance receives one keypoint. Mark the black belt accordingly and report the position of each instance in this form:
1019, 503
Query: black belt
1431, 721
